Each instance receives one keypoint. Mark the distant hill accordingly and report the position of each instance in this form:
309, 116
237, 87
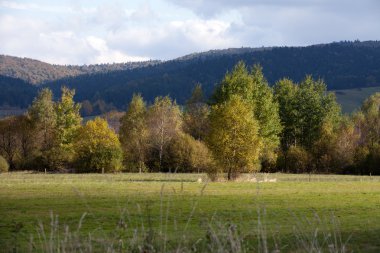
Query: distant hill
37, 72
343, 65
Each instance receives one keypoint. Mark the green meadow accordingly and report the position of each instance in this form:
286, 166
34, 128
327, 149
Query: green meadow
352, 99
177, 212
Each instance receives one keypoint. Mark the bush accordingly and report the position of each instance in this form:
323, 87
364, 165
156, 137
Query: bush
296, 160
185, 154
4, 166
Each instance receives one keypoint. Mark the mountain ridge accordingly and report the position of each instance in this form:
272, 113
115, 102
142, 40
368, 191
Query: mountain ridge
343, 65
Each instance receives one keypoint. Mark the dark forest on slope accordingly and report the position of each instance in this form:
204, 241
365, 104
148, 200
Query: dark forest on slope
342, 65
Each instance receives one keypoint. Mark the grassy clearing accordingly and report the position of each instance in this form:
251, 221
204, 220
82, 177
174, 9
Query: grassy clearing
290, 211
352, 99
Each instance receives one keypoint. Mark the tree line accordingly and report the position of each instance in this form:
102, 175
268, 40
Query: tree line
246, 126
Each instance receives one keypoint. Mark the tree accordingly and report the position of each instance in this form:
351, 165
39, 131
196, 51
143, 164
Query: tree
164, 122
97, 148
266, 110
345, 144
134, 133
367, 124
196, 114
255, 90
315, 106
9, 145
68, 117
371, 125
86, 108
18, 141
26, 135
68, 121
234, 136
304, 108
43, 116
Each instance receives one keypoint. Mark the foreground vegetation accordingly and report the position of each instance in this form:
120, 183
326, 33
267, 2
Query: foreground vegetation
164, 212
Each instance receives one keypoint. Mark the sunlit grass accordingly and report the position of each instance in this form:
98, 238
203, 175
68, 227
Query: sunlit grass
179, 201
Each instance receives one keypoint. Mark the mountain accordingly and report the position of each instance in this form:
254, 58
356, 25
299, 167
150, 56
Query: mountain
37, 72
343, 65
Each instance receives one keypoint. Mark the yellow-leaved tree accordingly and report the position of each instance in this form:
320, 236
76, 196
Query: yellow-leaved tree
97, 148
234, 136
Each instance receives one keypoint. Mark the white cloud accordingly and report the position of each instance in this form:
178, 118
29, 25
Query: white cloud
104, 54
33, 7
293, 22
84, 31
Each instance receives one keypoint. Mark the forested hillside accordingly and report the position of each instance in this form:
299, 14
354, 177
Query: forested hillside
37, 72
342, 65
16, 92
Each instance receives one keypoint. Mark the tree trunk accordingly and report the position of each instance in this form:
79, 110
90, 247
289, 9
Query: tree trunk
160, 156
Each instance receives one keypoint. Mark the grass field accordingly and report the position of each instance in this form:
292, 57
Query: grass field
352, 99
298, 213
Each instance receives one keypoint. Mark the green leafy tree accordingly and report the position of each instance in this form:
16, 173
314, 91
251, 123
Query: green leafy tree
315, 107
371, 123
97, 148
234, 136
134, 134
266, 110
68, 117
304, 108
43, 116
286, 94
68, 121
254, 89
164, 123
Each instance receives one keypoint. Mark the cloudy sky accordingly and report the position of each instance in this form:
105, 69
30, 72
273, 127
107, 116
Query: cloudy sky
94, 31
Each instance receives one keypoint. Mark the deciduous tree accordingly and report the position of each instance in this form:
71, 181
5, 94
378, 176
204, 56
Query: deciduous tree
134, 134
97, 148
234, 136
68, 121
164, 122
196, 114
254, 89
43, 116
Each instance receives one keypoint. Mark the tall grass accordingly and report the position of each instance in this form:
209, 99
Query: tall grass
310, 234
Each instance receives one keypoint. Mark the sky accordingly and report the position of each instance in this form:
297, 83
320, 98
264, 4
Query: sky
95, 31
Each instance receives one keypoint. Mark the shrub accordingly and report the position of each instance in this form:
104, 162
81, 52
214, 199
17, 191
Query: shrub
185, 154
298, 160
4, 166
